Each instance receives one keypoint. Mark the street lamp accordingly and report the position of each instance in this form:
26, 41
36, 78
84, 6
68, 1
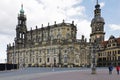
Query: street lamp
5, 64
59, 54
53, 63
13, 55
60, 57
93, 55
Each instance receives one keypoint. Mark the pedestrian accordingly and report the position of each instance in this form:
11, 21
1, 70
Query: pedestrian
117, 69
110, 69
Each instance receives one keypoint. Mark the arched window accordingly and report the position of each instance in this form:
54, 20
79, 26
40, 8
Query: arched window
58, 36
20, 35
65, 58
23, 36
48, 59
40, 60
67, 35
77, 58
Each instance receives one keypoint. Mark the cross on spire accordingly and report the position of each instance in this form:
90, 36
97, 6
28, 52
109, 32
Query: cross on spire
21, 6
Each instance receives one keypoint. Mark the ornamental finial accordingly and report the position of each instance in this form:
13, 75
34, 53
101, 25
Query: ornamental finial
21, 11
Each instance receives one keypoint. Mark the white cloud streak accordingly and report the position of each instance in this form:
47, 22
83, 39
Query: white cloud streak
114, 27
102, 4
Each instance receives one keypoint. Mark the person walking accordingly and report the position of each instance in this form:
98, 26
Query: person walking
117, 69
110, 69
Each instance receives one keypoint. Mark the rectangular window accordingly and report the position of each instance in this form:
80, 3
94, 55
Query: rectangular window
40, 60
118, 51
47, 59
118, 57
47, 51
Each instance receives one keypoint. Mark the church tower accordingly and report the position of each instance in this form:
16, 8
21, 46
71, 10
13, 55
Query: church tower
97, 26
21, 28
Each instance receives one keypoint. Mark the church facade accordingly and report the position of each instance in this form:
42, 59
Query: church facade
52, 45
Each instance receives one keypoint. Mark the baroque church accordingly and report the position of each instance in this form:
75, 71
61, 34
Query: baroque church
56, 45
52, 45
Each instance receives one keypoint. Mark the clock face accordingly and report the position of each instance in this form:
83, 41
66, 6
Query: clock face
97, 27
98, 36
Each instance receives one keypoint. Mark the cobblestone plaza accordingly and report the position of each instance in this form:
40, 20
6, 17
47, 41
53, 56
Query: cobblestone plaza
58, 74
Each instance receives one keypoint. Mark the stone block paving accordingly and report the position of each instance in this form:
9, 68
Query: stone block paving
102, 74
81, 75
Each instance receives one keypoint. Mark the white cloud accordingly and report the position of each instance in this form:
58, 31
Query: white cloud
53, 10
83, 28
114, 26
102, 4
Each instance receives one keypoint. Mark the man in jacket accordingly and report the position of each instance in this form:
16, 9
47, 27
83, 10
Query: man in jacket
110, 69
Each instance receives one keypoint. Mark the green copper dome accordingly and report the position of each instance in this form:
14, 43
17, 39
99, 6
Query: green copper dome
21, 11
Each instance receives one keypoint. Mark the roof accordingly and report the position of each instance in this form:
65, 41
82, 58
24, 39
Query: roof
104, 43
97, 19
57, 25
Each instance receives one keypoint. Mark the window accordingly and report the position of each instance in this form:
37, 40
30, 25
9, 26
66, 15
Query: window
58, 36
65, 59
65, 51
118, 51
48, 59
98, 54
40, 60
77, 59
33, 60
118, 57
68, 35
48, 51
109, 45
23, 36
58, 29
104, 59
114, 45
67, 29
54, 60
20, 35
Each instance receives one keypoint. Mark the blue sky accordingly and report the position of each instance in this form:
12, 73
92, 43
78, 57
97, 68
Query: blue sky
110, 12
43, 11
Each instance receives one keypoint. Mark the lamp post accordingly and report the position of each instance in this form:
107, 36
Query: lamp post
53, 62
5, 64
93, 55
59, 54
18, 65
60, 57
53, 59
13, 55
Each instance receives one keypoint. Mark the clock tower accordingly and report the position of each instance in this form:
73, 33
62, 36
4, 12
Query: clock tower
97, 26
